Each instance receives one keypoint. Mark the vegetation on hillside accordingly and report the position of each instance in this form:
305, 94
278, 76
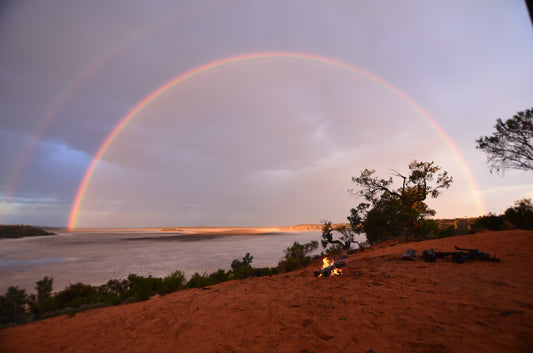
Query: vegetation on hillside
17, 306
520, 216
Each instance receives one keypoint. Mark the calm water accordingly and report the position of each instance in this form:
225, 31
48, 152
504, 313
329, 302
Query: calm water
97, 256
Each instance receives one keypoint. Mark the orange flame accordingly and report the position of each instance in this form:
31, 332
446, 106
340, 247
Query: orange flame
326, 262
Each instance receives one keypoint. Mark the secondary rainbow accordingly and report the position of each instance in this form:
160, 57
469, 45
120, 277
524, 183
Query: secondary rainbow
80, 79
262, 56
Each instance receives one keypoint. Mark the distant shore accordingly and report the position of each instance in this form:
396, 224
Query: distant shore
244, 230
21, 231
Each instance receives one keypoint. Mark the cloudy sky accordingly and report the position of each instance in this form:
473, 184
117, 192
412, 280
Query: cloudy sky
261, 140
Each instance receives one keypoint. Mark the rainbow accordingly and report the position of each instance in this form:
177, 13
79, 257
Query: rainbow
80, 79
262, 56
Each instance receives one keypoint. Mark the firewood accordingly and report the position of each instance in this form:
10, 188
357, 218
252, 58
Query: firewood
326, 271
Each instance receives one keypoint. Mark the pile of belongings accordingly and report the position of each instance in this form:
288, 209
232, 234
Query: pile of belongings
460, 256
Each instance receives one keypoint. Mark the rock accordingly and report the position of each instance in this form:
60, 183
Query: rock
410, 255
429, 255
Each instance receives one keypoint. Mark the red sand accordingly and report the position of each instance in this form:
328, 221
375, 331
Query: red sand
380, 303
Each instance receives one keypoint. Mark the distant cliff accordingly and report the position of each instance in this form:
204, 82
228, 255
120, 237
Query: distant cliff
20, 231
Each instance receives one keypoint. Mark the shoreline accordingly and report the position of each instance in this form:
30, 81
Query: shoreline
380, 303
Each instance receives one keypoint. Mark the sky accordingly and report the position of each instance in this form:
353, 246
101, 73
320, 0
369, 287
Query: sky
251, 113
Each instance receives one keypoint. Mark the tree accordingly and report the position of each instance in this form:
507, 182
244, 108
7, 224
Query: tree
398, 212
521, 215
13, 305
237, 265
43, 300
44, 288
347, 237
297, 256
511, 146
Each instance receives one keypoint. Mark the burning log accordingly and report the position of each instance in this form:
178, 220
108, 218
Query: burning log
330, 268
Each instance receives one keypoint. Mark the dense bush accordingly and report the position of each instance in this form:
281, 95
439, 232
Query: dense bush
116, 286
518, 217
242, 268
490, 222
521, 215
430, 228
265, 271
144, 287
75, 295
219, 276
300, 251
172, 283
198, 281
334, 250
296, 256
13, 306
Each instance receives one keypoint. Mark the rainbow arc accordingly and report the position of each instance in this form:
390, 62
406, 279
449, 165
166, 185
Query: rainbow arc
204, 69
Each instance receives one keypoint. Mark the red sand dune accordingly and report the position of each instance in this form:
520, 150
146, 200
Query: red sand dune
380, 303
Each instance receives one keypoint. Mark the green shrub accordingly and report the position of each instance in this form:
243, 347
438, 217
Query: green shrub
300, 250
490, 222
296, 256
265, 271
291, 264
44, 288
144, 287
198, 281
521, 215
74, 296
172, 283
242, 268
117, 286
449, 231
13, 306
219, 276
334, 249
42, 302
237, 265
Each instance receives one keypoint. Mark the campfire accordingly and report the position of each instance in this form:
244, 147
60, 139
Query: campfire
330, 268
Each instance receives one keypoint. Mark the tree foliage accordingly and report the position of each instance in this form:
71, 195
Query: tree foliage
348, 233
13, 305
297, 256
521, 215
238, 265
511, 145
391, 212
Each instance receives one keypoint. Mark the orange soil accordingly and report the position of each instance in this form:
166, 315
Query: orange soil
380, 303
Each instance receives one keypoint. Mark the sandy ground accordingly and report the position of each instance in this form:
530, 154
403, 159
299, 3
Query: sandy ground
379, 304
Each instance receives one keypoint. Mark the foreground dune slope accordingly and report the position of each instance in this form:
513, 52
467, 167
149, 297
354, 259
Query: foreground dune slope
380, 303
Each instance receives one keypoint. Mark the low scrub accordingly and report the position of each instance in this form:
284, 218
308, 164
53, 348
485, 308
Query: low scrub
297, 256
520, 216
16, 306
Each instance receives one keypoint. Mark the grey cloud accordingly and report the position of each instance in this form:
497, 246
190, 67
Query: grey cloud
255, 140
